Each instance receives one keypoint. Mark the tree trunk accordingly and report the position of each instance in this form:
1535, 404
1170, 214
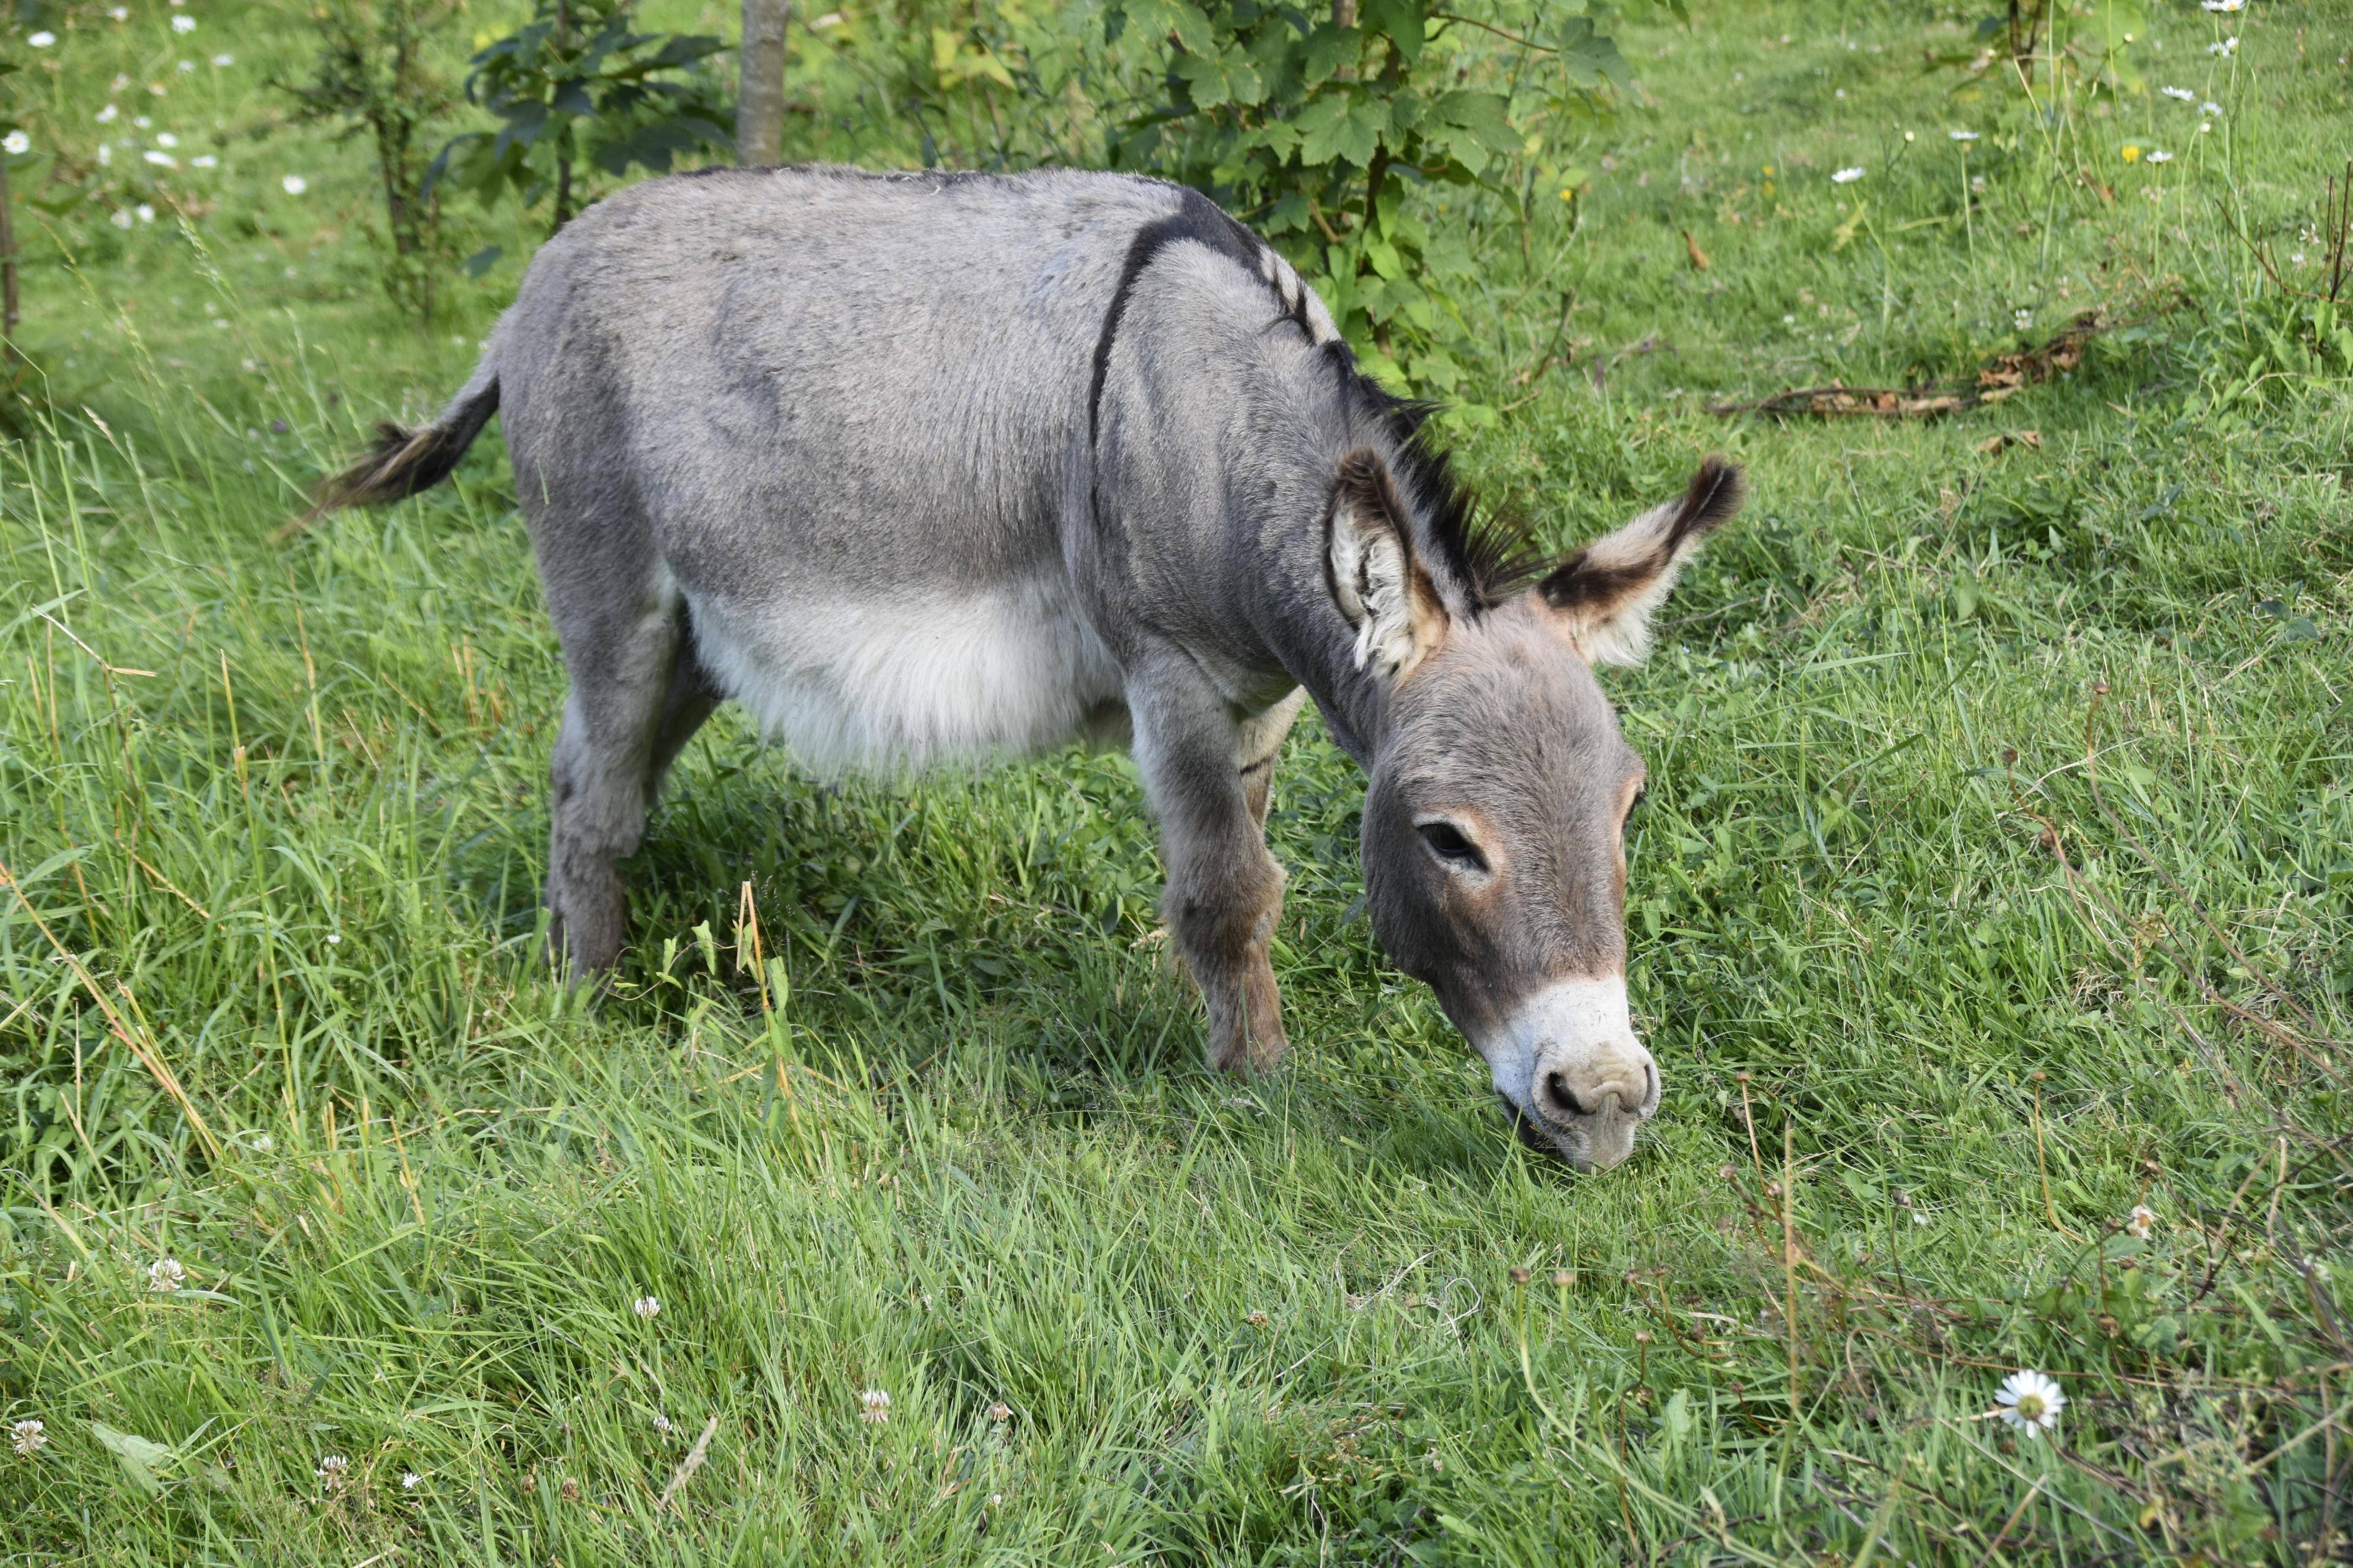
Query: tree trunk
760, 94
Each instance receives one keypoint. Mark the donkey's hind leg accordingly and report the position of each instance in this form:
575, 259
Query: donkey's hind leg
637, 695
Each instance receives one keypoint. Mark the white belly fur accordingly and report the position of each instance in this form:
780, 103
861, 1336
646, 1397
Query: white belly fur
851, 686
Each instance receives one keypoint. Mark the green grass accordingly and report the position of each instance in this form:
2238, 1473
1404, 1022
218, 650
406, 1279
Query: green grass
1995, 878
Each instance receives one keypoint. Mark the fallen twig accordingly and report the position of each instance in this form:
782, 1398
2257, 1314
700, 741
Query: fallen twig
1995, 380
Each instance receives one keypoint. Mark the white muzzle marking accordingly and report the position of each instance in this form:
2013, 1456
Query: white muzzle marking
1567, 1059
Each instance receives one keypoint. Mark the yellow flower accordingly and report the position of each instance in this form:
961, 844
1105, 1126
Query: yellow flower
2131, 152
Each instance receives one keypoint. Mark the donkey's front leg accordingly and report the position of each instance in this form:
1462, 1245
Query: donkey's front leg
1225, 891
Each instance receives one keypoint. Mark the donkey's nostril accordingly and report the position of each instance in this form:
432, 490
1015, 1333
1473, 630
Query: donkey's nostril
1563, 1098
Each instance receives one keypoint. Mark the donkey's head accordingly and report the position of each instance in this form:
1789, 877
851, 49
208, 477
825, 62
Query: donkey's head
1495, 844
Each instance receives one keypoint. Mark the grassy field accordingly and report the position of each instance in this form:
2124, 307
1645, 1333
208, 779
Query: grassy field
1995, 878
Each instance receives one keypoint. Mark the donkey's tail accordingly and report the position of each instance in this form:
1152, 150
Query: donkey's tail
403, 461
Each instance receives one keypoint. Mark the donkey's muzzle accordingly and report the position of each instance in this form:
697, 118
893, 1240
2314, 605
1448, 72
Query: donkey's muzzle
1570, 1068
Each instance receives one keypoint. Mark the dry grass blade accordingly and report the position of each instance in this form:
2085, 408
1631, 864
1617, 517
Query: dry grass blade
692, 1463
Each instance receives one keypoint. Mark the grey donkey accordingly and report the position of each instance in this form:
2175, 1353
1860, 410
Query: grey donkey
928, 468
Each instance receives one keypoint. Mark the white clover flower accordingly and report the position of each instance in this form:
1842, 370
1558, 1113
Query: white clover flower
2141, 1221
2226, 48
120, 13
27, 1438
265, 1144
203, 161
121, 218
645, 1306
335, 937
2030, 1402
42, 39
108, 115
874, 1406
1962, 135
165, 139
2209, 108
121, 81
295, 185
146, 213
333, 1469
224, 59
165, 1274
2021, 318
662, 1424
2159, 155
2183, 93
184, 24
410, 1480
161, 160
1847, 176
18, 143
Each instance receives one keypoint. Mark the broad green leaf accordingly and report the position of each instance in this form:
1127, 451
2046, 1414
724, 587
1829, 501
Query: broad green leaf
1326, 49
1339, 126
1403, 22
141, 1458
1160, 17
1590, 57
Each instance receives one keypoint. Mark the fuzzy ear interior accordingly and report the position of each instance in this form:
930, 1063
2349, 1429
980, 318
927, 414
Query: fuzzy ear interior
1375, 578
1603, 597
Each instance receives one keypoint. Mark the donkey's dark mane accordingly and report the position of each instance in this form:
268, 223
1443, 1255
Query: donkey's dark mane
1492, 556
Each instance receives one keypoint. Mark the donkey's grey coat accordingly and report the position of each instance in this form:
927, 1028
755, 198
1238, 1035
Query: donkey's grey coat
932, 466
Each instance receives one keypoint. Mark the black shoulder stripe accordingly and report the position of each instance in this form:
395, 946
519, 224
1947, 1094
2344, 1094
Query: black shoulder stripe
1203, 222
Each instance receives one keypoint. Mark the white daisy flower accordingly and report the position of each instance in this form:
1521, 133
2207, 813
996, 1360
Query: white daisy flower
874, 1406
2141, 1221
2226, 48
2183, 93
108, 115
142, 121
645, 1306
1847, 176
410, 1480
161, 160
165, 139
295, 185
146, 213
2209, 108
1962, 135
185, 67
42, 39
224, 59
203, 161
25, 1437
165, 1274
2030, 1402
121, 218
2159, 155
2225, 4
184, 24
120, 13
18, 143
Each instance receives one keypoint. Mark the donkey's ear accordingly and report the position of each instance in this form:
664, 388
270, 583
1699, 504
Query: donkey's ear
1602, 597
1375, 578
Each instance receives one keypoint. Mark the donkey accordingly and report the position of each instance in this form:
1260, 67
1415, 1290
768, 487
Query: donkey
928, 468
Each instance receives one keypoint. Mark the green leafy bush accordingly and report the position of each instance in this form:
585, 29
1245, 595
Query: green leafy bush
1315, 128
578, 90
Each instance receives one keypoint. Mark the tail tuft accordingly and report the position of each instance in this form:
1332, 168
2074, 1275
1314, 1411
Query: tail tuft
402, 461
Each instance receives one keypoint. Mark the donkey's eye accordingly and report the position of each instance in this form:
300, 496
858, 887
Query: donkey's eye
1446, 841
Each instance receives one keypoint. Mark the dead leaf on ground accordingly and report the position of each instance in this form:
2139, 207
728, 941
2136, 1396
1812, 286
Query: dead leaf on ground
1997, 379
1698, 257
1994, 445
